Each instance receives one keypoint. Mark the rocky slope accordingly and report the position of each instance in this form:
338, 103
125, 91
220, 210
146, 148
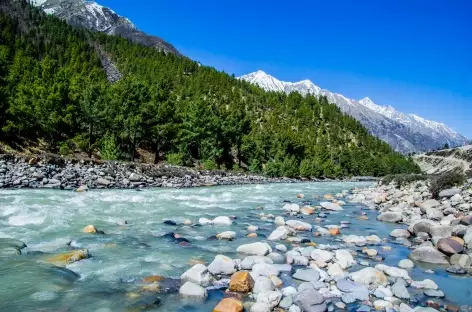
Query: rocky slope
455, 159
406, 133
95, 17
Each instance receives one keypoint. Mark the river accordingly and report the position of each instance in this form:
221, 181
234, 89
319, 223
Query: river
111, 280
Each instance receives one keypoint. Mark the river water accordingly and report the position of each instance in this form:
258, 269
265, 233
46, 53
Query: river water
112, 279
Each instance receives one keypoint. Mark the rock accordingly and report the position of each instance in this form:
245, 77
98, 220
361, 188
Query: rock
449, 192
69, 257
441, 231
229, 305
291, 208
354, 239
222, 220
334, 269
331, 206
321, 255
309, 300
298, 225
90, 229
393, 271
383, 292
286, 302
82, 188
281, 248
252, 228
279, 221
263, 284
276, 258
466, 220
421, 226
198, 274
352, 291
344, 258
300, 195
228, 235
307, 210
400, 291
271, 298
370, 252
170, 222
382, 305
260, 307
188, 222
392, 217
9, 252
11, 242
257, 249
434, 293
369, 276
425, 284
241, 282
192, 291
222, 265
406, 264
334, 231
250, 261
428, 254
204, 221
307, 275
99, 181
264, 269
449, 246
430, 203
405, 308
400, 233
281, 233
463, 261
456, 269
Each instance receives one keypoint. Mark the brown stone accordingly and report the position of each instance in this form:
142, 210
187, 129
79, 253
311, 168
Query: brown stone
153, 279
33, 161
90, 229
252, 235
458, 239
300, 196
307, 210
241, 282
433, 304
328, 197
452, 308
229, 305
449, 246
65, 258
334, 231
363, 218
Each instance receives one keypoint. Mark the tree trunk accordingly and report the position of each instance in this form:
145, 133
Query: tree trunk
90, 140
156, 152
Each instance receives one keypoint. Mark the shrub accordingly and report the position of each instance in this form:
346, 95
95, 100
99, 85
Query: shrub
210, 164
306, 168
445, 181
176, 159
255, 166
290, 167
402, 179
272, 168
64, 148
109, 150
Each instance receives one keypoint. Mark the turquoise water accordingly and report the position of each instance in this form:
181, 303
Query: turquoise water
112, 279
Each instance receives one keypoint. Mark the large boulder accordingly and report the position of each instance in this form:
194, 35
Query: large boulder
256, 249
193, 291
198, 274
440, 231
263, 284
309, 299
222, 265
271, 298
250, 261
449, 246
422, 225
449, 192
264, 269
392, 217
68, 257
428, 254
344, 258
400, 233
229, 305
280, 233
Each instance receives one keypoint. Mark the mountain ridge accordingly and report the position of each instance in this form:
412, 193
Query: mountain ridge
95, 17
406, 133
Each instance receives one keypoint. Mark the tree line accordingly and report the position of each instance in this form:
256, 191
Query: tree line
53, 89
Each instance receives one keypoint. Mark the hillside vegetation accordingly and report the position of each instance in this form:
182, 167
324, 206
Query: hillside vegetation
53, 89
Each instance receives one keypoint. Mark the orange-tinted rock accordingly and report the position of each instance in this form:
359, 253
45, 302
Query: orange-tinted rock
154, 287
307, 210
90, 229
328, 196
300, 196
65, 258
229, 305
449, 246
334, 231
311, 244
252, 235
152, 279
363, 218
458, 239
241, 282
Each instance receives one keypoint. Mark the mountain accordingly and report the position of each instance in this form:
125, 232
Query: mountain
406, 133
96, 17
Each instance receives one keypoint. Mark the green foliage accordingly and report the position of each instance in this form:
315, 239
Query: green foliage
176, 159
64, 148
402, 179
109, 150
210, 164
445, 181
52, 87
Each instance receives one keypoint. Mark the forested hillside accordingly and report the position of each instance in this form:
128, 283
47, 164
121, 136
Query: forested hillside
53, 89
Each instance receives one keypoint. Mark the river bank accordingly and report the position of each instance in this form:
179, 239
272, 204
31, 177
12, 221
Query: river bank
53, 171
276, 247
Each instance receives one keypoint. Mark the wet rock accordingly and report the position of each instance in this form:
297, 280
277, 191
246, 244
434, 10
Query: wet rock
229, 305
393, 271
400, 233
309, 300
307, 275
382, 305
263, 284
82, 188
449, 246
281, 233
331, 206
369, 276
242, 282
456, 269
276, 258
11, 242
344, 258
434, 293
322, 255
406, 264
461, 260
264, 269
192, 291
198, 274
257, 249
228, 235
279, 221
260, 307
428, 254
170, 222
399, 289
250, 261
392, 217
204, 221
270, 298
291, 208
354, 239
425, 284
334, 231
352, 291
449, 192
222, 220
9, 252
222, 265
383, 292
298, 225
69, 257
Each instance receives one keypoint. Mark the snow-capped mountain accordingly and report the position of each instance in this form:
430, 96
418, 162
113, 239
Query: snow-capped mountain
96, 17
406, 133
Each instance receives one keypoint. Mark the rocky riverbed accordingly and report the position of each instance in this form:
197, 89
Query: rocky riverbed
299, 247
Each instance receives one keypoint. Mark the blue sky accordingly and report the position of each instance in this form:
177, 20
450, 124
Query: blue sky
413, 55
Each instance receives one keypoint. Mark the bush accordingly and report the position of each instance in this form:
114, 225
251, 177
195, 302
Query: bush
176, 159
402, 179
445, 181
109, 150
210, 164
255, 166
64, 148
306, 168
272, 169
290, 167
